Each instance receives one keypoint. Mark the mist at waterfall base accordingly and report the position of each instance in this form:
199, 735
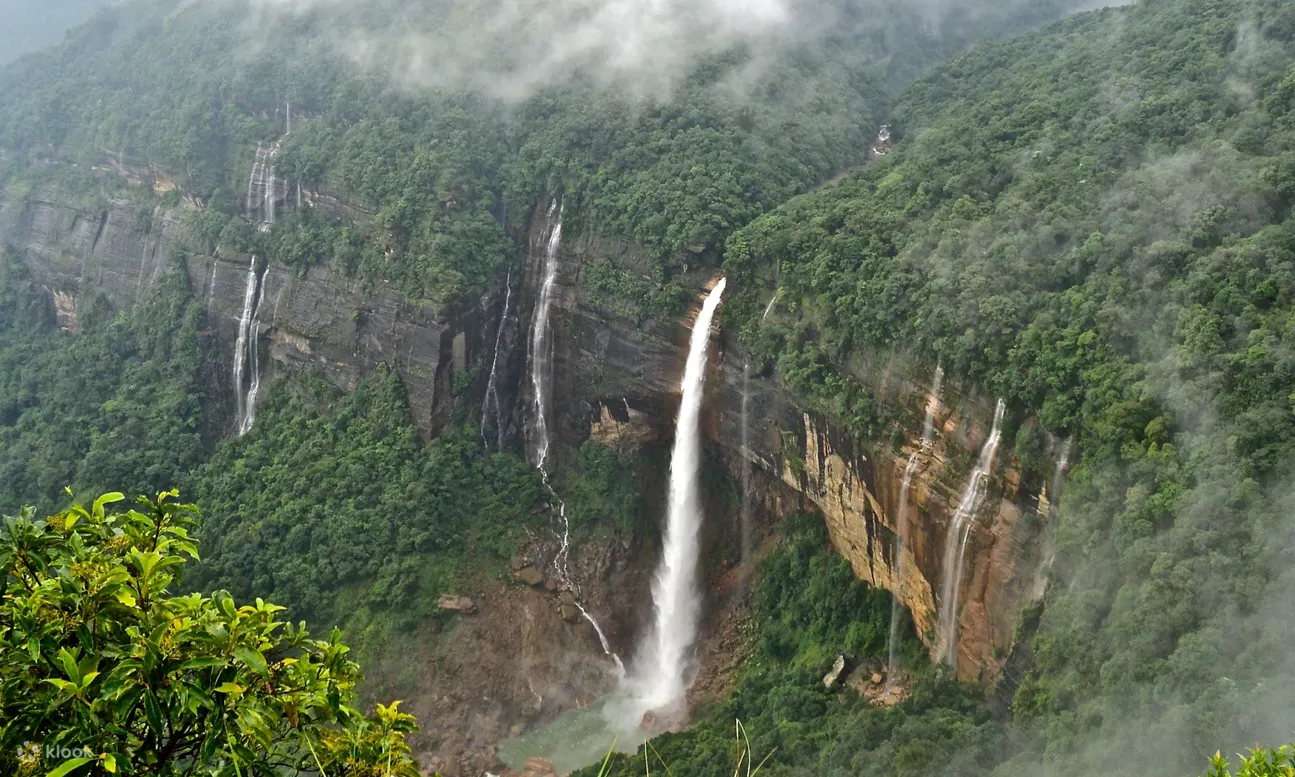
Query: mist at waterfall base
663, 668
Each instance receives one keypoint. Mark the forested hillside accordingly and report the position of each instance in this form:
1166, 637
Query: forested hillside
1092, 220
1095, 223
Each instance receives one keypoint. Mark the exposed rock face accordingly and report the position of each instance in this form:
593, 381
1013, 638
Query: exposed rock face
314, 320
621, 378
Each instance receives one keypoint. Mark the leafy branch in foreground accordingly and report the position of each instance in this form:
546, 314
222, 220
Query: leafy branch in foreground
1260, 763
99, 661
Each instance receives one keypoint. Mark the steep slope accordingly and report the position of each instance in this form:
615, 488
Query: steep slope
1095, 223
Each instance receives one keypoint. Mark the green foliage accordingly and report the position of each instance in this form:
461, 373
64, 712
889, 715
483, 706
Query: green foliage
602, 492
1260, 763
98, 656
119, 402
329, 492
810, 607
1094, 223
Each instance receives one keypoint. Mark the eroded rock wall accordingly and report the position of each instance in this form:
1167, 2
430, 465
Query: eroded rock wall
316, 319
619, 380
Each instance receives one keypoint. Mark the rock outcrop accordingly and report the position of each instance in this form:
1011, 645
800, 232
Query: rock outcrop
317, 319
620, 379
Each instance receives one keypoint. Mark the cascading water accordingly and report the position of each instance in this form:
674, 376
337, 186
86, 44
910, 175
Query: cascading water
492, 390
663, 666
955, 543
254, 358
263, 188
211, 284
1063, 463
241, 345
256, 184
541, 368
541, 342
901, 517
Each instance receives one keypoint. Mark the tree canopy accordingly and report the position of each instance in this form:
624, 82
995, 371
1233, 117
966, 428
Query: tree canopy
105, 670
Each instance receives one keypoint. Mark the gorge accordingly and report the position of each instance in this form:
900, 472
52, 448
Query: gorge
942, 350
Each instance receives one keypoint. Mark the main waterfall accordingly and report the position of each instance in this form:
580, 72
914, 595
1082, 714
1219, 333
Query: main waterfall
663, 666
246, 350
955, 542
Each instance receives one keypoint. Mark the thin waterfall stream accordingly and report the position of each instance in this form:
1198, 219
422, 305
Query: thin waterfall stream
901, 519
541, 369
955, 543
492, 390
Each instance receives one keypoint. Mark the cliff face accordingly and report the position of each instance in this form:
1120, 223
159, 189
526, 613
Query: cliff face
616, 381
313, 320
620, 380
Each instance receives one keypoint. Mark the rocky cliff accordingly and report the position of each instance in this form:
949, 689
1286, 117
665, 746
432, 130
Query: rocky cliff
620, 377
315, 319
617, 382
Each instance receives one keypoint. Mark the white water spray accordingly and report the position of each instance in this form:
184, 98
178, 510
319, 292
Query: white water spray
241, 344
747, 455
542, 342
254, 357
746, 466
492, 390
901, 517
955, 543
664, 664
211, 284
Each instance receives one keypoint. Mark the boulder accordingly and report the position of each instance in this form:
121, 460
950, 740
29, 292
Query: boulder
569, 612
840, 668
460, 604
530, 576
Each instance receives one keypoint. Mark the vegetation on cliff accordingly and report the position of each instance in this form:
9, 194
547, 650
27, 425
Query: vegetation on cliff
1095, 223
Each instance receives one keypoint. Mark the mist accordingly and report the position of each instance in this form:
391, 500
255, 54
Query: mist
28, 25
513, 49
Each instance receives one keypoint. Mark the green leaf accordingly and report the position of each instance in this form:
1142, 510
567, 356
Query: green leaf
109, 763
252, 658
154, 713
69, 665
233, 688
124, 596
67, 766
106, 499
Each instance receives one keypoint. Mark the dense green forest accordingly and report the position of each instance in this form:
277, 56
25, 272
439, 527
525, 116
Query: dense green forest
1093, 221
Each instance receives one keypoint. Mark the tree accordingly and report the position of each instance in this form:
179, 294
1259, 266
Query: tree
1260, 763
103, 670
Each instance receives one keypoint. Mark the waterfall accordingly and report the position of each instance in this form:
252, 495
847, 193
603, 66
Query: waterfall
492, 390
241, 345
541, 368
287, 129
270, 197
143, 262
263, 188
955, 542
211, 284
541, 342
901, 516
664, 664
254, 357
256, 183
1063, 463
